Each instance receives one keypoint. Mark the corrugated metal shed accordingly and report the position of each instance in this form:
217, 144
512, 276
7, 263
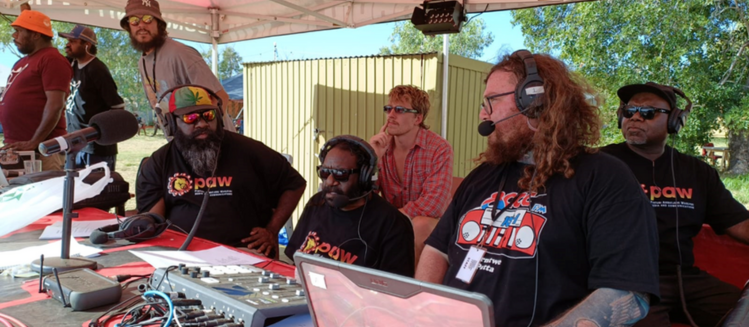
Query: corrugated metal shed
296, 106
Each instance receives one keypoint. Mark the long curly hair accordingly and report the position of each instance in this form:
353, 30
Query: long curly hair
568, 123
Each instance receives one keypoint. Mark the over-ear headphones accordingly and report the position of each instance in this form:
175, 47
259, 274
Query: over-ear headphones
169, 117
135, 228
368, 172
530, 88
677, 118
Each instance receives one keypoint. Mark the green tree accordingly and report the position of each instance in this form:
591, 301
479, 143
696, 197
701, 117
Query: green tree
698, 46
470, 42
229, 62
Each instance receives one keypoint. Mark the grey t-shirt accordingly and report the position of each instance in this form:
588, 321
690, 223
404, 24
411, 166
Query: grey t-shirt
176, 64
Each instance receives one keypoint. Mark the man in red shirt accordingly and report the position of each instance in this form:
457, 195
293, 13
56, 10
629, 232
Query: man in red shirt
416, 164
34, 99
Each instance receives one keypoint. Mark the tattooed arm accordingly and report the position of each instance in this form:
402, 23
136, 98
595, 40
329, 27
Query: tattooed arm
607, 307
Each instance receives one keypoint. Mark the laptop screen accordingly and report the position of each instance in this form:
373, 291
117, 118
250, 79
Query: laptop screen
340, 294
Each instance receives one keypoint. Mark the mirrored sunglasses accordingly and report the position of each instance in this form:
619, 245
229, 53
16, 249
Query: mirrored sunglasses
192, 118
399, 109
134, 20
340, 175
646, 113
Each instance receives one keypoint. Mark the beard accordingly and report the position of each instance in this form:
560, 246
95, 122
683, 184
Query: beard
351, 193
201, 155
25, 48
157, 41
508, 145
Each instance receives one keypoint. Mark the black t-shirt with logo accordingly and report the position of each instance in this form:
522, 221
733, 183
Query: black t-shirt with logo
248, 183
92, 91
594, 230
376, 236
699, 195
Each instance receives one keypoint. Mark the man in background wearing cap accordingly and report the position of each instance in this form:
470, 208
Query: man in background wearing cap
253, 189
92, 91
34, 99
166, 63
685, 192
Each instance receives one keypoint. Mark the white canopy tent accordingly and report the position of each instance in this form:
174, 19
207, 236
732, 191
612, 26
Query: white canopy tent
225, 21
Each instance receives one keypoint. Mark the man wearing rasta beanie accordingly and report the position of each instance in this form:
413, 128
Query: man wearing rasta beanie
252, 189
34, 99
166, 63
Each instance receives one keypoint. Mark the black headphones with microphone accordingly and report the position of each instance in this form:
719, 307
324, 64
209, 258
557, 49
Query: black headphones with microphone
137, 228
677, 118
169, 117
526, 93
530, 88
368, 172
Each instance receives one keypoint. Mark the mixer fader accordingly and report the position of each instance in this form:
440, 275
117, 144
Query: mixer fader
242, 293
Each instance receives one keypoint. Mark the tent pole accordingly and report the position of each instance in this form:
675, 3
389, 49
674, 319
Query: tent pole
215, 33
445, 89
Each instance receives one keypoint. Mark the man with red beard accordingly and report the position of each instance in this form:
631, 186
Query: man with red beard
347, 221
166, 63
252, 190
554, 233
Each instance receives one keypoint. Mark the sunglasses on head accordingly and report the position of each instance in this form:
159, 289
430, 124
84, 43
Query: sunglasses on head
192, 118
646, 113
399, 109
340, 175
134, 20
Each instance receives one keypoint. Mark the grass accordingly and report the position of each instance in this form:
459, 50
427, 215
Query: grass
132, 151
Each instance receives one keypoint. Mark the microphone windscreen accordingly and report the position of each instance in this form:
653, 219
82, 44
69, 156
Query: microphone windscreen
98, 237
114, 126
486, 128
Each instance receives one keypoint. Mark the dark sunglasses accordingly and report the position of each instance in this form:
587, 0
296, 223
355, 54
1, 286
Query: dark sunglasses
646, 113
340, 175
134, 20
399, 109
192, 118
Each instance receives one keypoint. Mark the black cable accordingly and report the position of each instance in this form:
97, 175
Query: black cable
203, 204
538, 248
679, 279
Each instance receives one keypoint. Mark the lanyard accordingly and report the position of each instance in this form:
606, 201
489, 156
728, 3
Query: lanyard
495, 215
153, 71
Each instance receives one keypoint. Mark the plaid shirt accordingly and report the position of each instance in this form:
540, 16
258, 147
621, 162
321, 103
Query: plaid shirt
425, 190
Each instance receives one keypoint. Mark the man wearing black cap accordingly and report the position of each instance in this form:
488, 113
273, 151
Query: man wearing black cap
166, 63
92, 91
685, 193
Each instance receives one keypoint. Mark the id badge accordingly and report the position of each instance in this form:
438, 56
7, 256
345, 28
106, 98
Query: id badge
470, 264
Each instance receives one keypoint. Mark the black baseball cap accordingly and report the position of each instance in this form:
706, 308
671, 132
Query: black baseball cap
666, 92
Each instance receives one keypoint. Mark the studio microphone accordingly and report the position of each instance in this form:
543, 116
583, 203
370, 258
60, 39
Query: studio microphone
487, 127
340, 200
107, 128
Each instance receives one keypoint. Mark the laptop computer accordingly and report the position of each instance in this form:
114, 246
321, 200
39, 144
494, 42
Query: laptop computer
342, 295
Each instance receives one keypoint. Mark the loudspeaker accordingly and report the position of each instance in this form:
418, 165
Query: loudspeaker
135, 228
169, 117
438, 17
367, 173
530, 88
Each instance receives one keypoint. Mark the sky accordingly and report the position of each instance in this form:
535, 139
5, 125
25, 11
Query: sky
361, 41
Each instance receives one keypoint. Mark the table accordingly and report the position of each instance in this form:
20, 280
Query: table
712, 151
20, 299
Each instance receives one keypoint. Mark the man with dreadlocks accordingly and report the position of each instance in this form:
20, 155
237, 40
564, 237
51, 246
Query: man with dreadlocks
554, 233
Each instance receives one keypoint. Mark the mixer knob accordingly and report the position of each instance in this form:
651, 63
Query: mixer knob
274, 287
299, 292
263, 280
